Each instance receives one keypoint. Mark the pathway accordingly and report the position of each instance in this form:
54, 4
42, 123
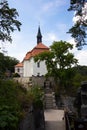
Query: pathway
54, 119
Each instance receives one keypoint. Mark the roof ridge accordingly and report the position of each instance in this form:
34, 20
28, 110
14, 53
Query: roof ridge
36, 50
41, 45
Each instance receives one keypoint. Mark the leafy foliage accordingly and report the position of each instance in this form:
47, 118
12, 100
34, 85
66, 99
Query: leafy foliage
81, 70
8, 117
79, 30
16, 75
37, 97
7, 63
79, 75
58, 61
13, 99
8, 21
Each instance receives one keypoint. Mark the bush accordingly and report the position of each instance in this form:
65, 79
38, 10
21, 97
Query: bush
8, 118
37, 96
16, 75
12, 99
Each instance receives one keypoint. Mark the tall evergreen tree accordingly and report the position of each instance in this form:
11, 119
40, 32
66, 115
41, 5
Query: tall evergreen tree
79, 29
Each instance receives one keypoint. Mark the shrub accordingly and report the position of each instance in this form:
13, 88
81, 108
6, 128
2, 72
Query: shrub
16, 75
12, 100
37, 96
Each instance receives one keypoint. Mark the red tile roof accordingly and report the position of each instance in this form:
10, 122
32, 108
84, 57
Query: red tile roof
41, 46
19, 65
36, 50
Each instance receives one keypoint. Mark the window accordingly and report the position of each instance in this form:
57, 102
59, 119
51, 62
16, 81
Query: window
18, 70
38, 64
38, 74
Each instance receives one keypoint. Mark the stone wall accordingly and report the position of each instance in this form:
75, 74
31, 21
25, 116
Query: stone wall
22, 79
34, 81
25, 81
38, 80
28, 122
41, 80
34, 120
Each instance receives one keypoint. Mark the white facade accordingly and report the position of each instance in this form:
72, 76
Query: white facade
39, 70
19, 70
28, 68
35, 69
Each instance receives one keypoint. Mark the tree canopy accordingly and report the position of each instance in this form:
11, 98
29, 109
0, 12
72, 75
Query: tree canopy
58, 60
7, 63
79, 29
8, 21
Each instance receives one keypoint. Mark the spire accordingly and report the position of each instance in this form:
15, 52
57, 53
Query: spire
39, 36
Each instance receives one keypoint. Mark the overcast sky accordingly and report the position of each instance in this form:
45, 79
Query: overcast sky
54, 21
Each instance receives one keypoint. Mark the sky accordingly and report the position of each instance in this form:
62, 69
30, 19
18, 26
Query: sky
55, 21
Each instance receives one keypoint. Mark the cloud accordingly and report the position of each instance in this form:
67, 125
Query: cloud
59, 3
52, 5
47, 6
72, 41
61, 27
19, 46
50, 37
82, 56
74, 50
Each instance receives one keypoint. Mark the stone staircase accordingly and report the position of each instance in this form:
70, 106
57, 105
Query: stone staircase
50, 102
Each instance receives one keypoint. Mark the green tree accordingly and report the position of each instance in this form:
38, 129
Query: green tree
37, 95
80, 75
10, 62
59, 61
7, 63
8, 21
79, 29
2, 64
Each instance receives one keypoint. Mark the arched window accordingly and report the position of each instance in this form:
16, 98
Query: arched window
38, 64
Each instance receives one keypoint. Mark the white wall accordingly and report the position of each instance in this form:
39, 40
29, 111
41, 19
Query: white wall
20, 72
41, 70
28, 68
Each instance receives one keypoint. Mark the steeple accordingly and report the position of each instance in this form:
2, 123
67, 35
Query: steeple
39, 36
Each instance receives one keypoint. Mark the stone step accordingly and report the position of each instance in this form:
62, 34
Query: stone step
50, 99
48, 90
48, 94
49, 107
48, 102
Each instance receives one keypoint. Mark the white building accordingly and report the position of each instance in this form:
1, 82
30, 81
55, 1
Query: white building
28, 67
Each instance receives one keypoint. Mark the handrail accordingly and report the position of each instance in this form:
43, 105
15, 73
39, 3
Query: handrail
67, 122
